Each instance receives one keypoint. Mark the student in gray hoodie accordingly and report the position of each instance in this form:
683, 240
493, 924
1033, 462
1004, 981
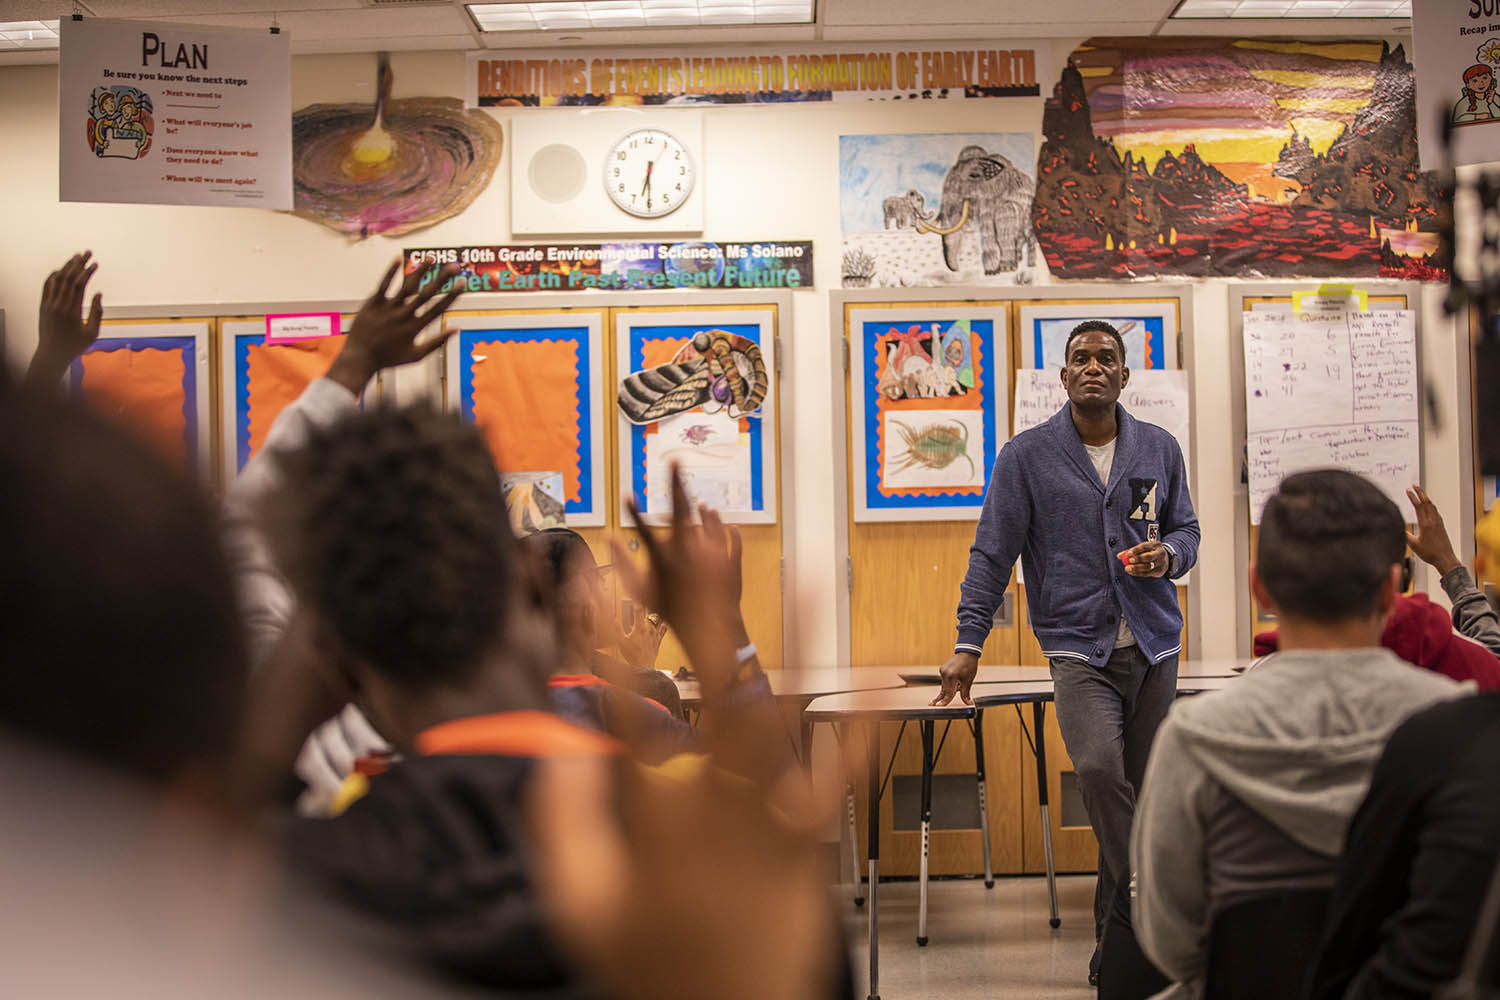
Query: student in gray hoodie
1249, 790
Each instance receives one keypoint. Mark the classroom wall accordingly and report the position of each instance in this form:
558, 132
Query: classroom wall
772, 174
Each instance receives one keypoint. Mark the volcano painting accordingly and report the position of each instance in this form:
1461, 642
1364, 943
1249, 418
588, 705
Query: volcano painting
1234, 158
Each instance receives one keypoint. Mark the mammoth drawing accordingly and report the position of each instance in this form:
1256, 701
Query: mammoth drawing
987, 191
903, 210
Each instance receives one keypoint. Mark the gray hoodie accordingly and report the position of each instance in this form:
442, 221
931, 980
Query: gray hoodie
1250, 789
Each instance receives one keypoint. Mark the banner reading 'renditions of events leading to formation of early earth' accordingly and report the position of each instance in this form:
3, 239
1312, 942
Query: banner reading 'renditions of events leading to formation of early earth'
622, 266
759, 74
174, 114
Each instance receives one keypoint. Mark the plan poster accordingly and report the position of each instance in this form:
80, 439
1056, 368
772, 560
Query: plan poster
1332, 390
174, 114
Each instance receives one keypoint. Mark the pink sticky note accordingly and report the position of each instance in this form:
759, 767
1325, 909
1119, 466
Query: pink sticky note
283, 328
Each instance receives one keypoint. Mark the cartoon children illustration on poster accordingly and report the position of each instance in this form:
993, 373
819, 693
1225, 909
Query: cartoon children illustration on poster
120, 122
1478, 102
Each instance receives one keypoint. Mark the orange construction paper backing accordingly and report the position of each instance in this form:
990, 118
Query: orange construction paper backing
275, 376
143, 391
526, 404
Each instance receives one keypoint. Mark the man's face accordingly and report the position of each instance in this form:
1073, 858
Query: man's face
1095, 373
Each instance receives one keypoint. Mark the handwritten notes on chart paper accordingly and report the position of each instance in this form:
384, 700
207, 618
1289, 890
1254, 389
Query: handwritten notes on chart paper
1332, 390
1157, 396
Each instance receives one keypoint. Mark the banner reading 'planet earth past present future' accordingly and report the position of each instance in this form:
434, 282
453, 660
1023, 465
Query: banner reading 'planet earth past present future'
623, 265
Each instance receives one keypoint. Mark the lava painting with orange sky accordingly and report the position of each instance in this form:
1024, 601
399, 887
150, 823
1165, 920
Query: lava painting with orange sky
1235, 158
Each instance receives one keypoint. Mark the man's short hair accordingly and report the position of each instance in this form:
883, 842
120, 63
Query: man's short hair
119, 636
1093, 326
558, 550
1328, 540
393, 531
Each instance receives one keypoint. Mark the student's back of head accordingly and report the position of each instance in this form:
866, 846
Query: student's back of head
393, 531
118, 635
1328, 540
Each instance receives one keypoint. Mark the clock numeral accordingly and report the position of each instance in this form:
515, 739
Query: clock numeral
620, 155
617, 171
665, 198
622, 188
679, 186
682, 171
679, 155
634, 143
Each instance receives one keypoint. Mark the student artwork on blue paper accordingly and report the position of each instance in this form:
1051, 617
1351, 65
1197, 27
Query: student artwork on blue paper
928, 403
698, 391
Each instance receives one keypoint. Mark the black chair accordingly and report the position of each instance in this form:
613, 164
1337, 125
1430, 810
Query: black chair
1262, 948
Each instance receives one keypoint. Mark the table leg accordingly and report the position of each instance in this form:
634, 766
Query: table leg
859, 895
984, 809
806, 748
927, 733
872, 740
1039, 719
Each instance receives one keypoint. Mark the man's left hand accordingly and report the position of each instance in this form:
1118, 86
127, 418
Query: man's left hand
1147, 559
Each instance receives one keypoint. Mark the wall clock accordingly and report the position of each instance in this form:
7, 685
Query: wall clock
562, 170
649, 173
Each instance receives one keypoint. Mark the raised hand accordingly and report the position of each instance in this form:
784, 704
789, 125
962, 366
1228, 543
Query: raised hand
744, 915
1429, 541
639, 645
63, 333
692, 581
384, 332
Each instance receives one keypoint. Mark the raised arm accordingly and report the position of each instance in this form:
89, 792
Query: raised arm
63, 332
383, 335
1472, 614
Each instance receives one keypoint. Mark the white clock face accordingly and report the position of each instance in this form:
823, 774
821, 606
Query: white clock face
649, 173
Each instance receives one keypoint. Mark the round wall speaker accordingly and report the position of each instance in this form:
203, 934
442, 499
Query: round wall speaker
557, 173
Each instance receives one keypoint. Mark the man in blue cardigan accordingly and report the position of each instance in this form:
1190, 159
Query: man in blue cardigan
1096, 505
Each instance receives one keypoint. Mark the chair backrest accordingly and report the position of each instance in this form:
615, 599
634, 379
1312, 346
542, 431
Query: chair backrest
1261, 949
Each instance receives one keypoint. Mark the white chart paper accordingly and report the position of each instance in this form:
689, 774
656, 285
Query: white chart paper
1332, 391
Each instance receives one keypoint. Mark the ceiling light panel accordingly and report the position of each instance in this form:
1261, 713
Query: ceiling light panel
16, 35
1293, 8
577, 14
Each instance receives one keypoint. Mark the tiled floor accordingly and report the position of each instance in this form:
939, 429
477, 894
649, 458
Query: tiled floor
982, 944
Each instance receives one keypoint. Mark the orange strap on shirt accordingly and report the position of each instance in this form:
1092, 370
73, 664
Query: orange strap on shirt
514, 734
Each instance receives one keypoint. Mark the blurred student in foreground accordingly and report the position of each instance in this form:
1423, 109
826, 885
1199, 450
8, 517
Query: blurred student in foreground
415, 593
126, 870
1249, 790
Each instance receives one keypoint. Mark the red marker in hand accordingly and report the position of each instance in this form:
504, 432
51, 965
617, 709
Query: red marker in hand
1124, 558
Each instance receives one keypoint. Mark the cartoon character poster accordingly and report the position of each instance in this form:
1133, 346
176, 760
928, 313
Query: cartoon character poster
698, 391
1235, 158
534, 385
120, 122
163, 113
1456, 47
936, 209
928, 401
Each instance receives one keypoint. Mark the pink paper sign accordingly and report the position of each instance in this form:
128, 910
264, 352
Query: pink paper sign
283, 328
